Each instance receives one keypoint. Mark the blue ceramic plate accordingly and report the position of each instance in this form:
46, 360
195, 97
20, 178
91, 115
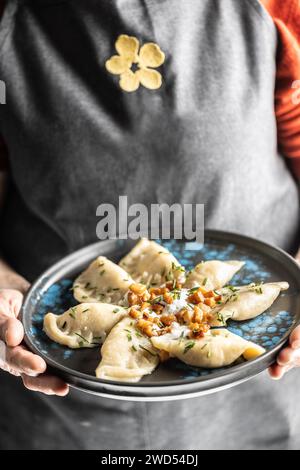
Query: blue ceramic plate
51, 292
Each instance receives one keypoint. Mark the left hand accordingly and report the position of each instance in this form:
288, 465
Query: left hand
289, 357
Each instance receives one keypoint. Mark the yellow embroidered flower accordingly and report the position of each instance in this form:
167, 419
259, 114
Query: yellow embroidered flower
147, 57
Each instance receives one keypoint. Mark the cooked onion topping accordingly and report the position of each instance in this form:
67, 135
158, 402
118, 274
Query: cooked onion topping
157, 309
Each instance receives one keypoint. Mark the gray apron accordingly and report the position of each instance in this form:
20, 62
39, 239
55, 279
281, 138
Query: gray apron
75, 140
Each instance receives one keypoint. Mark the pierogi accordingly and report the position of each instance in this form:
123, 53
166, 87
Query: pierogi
246, 302
127, 355
213, 274
218, 348
83, 326
152, 264
103, 281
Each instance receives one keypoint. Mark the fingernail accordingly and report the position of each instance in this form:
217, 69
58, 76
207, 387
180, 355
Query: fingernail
296, 355
31, 373
296, 344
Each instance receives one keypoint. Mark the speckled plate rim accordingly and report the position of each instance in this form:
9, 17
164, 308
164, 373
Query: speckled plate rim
165, 390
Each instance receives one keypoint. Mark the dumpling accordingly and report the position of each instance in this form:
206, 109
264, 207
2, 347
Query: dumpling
218, 348
83, 326
103, 281
127, 355
150, 263
213, 274
244, 303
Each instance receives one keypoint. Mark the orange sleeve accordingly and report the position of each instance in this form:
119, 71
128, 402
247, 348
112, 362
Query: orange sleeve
286, 16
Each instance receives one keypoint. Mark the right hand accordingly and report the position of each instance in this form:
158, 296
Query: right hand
14, 357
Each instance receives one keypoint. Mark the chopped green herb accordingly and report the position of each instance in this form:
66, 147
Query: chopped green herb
220, 318
177, 267
73, 312
156, 300
133, 348
189, 346
194, 289
232, 288
116, 310
259, 290
86, 310
64, 324
204, 281
82, 337
74, 287
116, 288
203, 347
181, 337
147, 350
129, 336
138, 334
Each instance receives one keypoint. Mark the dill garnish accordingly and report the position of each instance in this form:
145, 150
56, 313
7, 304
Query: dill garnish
189, 346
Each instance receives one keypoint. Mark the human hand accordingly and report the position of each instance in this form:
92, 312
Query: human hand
288, 358
14, 357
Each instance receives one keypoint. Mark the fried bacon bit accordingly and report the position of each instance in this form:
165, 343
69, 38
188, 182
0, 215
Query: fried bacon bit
184, 316
205, 308
132, 298
146, 327
198, 330
146, 296
138, 289
154, 291
164, 331
157, 308
145, 305
171, 285
210, 301
209, 293
167, 320
198, 314
134, 313
168, 298
196, 297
